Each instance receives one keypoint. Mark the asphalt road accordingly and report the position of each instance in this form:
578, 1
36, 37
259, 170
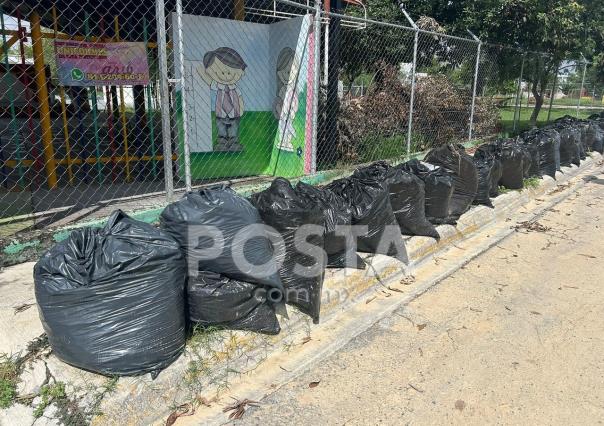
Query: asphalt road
514, 337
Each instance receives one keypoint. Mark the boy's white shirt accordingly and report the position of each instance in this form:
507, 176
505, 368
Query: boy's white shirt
219, 86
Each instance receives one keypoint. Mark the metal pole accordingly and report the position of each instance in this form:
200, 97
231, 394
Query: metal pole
164, 97
518, 94
10, 83
413, 67
554, 90
150, 111
412, 97
45, 123
582, 84
316, 78
326, 53
183, 96
475, 84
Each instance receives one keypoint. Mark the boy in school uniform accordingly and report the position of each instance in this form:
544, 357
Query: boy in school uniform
221, 70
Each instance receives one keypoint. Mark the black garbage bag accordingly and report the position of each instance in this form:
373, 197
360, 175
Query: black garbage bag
465, 176
490, 153
484, 167
512, 162
214, 300
528, 143
438, 185
338, 237
571, 148
570, 151
407, 197
490, 150
595, 136
191, 221
300, 257
111, 300
371, 208
548, 145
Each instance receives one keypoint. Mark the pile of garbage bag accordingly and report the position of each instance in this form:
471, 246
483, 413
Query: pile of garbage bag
338, 238
407, 197
456, 161
118, 300
372, 216
438, 185
112, 300
210, 223
300, 254
214, 300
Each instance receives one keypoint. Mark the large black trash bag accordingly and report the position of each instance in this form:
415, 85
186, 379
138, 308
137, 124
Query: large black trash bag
548, 145
239, 225
371, 207
339, 244
528, 143
570, 140
570, 152
595, 136
407, 197
490, 153
438, 185
215, 300
512, 162
286, 210
465, 176
111, 300
484, 168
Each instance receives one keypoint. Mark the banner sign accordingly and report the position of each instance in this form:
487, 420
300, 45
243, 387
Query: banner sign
82, 63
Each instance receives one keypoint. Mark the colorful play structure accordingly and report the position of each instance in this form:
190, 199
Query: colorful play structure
54, 136
58, 135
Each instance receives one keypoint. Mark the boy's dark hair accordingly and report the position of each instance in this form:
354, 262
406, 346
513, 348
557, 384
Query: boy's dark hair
227, 56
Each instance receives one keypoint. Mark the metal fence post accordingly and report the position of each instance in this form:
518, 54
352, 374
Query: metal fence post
475, 84
413, 67
582, 84
554, 90
326, 51
183, 96
518, 94
164, 98
315, 83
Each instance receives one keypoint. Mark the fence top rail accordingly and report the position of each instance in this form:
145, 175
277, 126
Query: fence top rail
393, 25
434, 33
365, 20
296, 4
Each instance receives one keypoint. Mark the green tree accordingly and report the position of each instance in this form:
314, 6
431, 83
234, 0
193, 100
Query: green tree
552, 27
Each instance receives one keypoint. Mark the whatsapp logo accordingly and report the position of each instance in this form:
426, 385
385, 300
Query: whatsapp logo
77, 74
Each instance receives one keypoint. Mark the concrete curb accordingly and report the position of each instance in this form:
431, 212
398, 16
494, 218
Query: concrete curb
142, 401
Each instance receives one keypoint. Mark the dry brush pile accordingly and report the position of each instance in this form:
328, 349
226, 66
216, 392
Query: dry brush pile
441, 114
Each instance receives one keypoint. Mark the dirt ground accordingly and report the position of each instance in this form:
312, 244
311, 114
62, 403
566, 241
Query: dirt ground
514, 337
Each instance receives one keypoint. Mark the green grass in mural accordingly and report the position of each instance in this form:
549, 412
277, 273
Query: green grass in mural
256, 134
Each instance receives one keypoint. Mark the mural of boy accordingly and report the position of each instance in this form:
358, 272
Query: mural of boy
222, 69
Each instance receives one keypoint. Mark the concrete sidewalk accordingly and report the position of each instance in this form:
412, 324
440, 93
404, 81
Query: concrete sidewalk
514, 337
214, 364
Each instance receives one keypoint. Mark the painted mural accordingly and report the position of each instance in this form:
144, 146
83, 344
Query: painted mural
246, 88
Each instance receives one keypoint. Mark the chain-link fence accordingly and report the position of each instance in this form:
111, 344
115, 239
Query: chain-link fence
126, 104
